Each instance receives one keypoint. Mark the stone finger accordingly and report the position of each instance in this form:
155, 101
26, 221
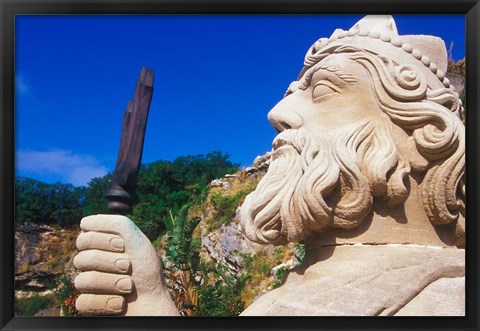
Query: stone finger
94, 282
95, 260
102, 241
94, 304
116, 224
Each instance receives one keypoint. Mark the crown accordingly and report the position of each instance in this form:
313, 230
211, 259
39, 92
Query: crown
378, 33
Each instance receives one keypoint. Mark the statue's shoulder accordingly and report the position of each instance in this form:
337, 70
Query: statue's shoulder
372, 280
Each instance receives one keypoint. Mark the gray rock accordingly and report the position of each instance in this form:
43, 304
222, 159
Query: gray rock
216, 183
227, 244
40, 256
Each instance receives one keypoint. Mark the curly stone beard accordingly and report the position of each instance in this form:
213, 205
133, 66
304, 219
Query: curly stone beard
328, 179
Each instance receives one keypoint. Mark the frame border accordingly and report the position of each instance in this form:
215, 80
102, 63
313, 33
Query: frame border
10, 8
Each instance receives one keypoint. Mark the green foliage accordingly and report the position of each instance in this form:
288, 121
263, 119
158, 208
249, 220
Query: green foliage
162, 186
182, 249
149, 215
183, 253
300, 250
220, 294
219, 301
279, 277
225, 205
165, 186
196, 172
30, 306
66, 295
258, 265
40, 202
95, 200
257, 274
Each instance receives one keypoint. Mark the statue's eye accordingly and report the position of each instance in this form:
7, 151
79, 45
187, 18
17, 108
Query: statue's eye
324, 89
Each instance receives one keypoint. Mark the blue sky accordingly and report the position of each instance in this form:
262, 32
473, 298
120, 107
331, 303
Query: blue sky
216, 78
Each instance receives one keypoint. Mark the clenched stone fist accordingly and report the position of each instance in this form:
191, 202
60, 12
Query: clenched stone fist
121, 273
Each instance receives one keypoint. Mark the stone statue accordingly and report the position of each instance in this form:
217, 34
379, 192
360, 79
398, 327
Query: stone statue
367, 170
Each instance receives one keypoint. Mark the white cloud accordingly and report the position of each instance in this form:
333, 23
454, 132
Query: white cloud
63, 165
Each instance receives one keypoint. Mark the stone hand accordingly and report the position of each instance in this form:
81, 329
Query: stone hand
121, 273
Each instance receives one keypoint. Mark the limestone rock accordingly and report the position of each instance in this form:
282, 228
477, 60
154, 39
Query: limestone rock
42, 254
227, 243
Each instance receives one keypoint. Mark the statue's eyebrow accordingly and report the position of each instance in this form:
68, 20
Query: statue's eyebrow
304, 81
339, 72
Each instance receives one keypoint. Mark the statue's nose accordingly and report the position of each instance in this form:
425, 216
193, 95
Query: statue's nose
282, 117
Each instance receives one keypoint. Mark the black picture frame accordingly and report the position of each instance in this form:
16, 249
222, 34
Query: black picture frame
10, 8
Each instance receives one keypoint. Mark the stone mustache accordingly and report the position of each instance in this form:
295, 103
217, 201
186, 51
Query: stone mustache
367, 169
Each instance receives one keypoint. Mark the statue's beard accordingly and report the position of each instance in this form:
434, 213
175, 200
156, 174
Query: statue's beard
323, 180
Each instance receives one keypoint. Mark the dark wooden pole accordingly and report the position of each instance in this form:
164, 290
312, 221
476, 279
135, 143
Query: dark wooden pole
121, 195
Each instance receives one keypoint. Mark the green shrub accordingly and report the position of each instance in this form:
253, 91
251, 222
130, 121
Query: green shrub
219, 300
300, 249
225, 204
220, 293
30, 306
66, 295
280, 277
165, 186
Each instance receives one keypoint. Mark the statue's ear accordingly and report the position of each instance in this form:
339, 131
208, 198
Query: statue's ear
408, 149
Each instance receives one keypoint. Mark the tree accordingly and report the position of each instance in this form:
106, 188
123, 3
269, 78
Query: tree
39, 202
165, 186
95, 200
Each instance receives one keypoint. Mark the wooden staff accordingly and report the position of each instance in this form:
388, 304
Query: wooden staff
121, 195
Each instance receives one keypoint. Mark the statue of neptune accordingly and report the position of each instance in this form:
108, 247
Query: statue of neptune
367, 169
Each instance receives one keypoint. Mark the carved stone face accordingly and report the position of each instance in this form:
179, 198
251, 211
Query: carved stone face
315, 179
338, 93
338, 148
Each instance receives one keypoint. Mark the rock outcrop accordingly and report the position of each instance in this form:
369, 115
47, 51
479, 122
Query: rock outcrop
43, 253
228, 243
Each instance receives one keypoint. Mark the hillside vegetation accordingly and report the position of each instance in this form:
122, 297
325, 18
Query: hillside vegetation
188, 209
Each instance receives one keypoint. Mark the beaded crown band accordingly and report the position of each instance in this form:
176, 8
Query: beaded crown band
376, 33
379, 34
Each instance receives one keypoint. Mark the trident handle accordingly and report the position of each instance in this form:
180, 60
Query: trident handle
121, 195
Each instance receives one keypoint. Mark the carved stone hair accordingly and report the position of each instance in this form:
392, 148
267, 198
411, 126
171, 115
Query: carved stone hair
324, 181
431, 116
